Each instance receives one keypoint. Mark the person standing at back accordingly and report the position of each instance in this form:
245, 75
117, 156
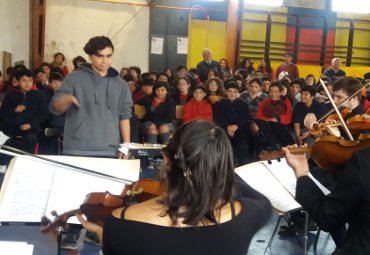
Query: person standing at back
207, 64
288, 66
97, 103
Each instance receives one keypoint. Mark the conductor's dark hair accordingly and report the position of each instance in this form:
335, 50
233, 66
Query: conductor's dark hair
349, 85
96, 44
202, 148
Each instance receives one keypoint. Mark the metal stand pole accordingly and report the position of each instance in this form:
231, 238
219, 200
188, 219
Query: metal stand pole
305, 233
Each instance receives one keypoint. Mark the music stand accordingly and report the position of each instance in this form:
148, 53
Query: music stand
277, 134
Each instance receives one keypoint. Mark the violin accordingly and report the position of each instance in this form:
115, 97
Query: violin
328, 152
357, 124
331, 121
98, 206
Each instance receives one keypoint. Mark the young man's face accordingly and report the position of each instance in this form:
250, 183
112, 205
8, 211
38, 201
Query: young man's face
181, 72
294, 89
147, 89
25, 83
306, 97
274, 93
254, 88
102, 60
58, 59
199, 94
287, 59
266, 85
339, 96
232, 94
161, 93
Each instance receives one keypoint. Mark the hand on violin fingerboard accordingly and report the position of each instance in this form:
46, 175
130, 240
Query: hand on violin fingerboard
90, 226
298, 162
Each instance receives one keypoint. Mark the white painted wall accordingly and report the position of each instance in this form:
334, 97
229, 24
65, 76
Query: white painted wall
14, 30
71, 23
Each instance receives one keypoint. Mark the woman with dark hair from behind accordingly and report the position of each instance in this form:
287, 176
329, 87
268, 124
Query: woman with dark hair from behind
204, 209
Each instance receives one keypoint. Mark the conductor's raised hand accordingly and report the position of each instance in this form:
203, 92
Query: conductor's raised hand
298, 162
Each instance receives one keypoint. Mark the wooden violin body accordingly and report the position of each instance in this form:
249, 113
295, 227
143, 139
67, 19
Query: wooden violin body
99, 205
328, 152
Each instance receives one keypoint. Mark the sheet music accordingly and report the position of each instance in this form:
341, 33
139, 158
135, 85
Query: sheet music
27, 191
283, 173
19, 248
31, 189
259, 177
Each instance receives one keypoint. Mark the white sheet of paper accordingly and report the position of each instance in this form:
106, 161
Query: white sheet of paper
259, 177
182, 45
19, 248
3, 138
157, 46
33, 189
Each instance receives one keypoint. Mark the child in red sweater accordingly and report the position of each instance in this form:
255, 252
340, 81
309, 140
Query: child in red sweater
197, 108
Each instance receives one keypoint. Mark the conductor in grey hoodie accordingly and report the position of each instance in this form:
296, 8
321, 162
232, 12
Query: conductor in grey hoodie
97, 103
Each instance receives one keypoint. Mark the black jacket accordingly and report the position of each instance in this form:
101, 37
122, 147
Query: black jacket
349, 202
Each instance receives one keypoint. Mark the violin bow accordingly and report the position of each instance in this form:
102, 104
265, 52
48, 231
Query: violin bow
11, 151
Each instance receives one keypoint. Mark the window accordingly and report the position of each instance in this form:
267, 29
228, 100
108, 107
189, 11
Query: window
355, 6
265, 2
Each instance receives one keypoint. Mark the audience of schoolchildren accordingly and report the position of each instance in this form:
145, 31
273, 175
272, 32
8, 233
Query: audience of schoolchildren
212, 91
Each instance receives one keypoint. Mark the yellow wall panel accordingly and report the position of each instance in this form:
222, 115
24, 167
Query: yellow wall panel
198, 40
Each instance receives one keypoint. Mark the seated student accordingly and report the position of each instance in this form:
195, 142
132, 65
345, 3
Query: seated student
160, 112
163, 77
135, 72
266, 82
146, 89
295, 89
42, 83
204, 208
254, 96
232, 114
215, 90
308, 105
274, 108
24, 111
310, 80
197, 108
182, 94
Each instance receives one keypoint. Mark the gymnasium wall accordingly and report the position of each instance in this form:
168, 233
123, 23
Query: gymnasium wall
71, 23
14, 30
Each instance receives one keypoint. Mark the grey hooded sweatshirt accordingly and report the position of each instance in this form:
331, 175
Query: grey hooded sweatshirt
92, 128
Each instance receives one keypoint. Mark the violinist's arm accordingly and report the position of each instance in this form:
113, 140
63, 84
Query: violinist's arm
98, 230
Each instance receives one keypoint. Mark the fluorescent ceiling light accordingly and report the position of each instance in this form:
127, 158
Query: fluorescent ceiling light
265, 2
354, 6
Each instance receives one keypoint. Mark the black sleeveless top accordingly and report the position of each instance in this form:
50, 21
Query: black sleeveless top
121, 236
